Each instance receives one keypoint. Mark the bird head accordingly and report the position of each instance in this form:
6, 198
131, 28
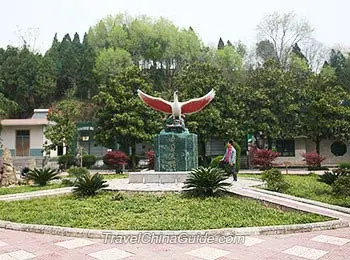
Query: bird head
176, 97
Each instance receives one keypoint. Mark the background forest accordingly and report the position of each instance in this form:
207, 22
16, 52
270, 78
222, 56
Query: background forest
288, 85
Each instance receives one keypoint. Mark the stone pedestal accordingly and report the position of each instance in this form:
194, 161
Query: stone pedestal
175, 152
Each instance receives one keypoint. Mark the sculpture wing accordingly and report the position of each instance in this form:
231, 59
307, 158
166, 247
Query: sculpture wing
156, 103
194, 105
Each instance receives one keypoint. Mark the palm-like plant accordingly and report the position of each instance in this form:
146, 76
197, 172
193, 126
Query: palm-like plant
206, 181
88, 184
42, 176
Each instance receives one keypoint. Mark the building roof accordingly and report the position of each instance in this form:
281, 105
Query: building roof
39, 118
23, 122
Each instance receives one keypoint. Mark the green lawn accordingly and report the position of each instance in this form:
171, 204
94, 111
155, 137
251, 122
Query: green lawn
27, 188
150, 212
249, 175
307, 186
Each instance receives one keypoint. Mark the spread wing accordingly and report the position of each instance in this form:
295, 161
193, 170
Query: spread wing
156, 103
194, 105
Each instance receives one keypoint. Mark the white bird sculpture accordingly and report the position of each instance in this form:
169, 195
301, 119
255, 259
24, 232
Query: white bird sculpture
176, 108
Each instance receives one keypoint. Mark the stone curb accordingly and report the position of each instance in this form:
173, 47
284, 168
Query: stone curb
35, 194
308, 201
106, 234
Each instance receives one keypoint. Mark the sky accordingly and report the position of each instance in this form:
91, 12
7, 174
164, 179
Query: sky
38, 20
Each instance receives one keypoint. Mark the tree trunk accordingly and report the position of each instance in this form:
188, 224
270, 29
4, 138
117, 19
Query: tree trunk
318, 143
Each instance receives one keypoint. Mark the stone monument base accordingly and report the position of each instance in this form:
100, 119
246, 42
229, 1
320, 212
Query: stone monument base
175, 152
157, 177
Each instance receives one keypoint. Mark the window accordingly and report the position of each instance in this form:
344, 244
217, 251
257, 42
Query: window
22, 143
285, 147
338, 148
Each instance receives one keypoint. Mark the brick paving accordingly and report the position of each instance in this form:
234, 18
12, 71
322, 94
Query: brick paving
327, 244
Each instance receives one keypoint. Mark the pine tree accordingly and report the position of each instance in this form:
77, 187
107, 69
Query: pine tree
221, 44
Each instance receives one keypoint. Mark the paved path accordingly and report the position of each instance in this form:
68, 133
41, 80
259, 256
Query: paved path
330, 244
326, 244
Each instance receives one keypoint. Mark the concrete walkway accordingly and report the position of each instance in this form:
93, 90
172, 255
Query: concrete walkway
323, 244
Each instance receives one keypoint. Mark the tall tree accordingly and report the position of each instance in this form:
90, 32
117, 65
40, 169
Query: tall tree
87, 85
265, 50
220, 119
271, 103
283, 31
110, 62
65, 113
341, 65
221, 44
323, 113
121, 116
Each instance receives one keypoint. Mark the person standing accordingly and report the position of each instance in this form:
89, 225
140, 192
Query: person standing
230, 158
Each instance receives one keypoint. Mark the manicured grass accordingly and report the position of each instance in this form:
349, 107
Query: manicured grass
150, 212
28, 188
307, 186
249, 175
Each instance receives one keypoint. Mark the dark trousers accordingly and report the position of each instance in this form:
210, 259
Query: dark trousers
234, 174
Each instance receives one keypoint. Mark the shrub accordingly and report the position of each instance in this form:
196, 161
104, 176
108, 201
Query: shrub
329, 177
274, 180
67, 160
206, 181
341, 186
89, 184
263, 158
42, 176
150, 155
215, 161
344, 165
68, 182
77, 171
313, 160
116, 159
89, 160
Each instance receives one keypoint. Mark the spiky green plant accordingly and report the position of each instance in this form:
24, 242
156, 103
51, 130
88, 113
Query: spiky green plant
89, 184
42, 176
206, 181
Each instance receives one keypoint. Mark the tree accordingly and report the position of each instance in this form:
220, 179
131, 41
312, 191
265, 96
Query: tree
121, 116
271, 105
87, 85
19, 73
323, 113
65, 114
341, 65
156, 45
221, 44
283, 31
110, 62
220, 119
265, 50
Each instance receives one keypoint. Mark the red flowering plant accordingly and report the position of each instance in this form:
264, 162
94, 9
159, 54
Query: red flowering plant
115, 160
150, 159
263, 158
313, 160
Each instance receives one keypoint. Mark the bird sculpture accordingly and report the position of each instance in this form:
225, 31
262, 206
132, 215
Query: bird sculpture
176, 108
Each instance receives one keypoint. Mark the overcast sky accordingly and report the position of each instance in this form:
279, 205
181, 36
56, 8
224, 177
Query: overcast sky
232, 20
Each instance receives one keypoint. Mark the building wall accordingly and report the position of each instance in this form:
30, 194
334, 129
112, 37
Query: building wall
303, 145
325, 150
36, 137
300, 149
